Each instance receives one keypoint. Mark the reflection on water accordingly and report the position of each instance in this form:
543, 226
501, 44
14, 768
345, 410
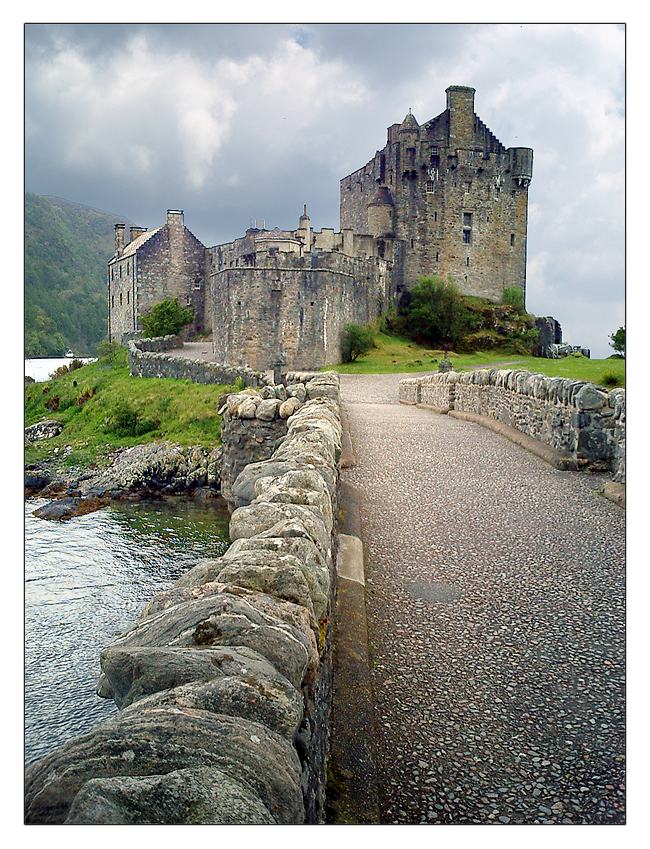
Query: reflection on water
86, 581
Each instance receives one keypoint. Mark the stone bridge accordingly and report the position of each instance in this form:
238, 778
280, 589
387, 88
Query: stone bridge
494, 589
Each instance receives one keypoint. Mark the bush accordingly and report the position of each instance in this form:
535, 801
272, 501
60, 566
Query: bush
436, 314
514, 297
126, 421
109, 352
355, 342
611, 379
75, 364
59, 372
482, 340
166, 318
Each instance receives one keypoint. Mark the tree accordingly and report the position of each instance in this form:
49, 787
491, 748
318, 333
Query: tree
435, 313
355, 342
618, 341
166, 318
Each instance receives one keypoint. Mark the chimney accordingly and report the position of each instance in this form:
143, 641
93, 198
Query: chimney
460, 105
119, 239
137, 231
175, 218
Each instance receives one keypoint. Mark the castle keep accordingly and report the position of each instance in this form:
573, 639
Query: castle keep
444, 197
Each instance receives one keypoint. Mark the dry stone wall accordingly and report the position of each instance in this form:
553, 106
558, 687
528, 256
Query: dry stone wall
148, 358
571, 415
224, 682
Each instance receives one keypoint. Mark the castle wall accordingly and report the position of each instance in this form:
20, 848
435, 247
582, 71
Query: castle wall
122, 298
448, 177
295, 304
172, 265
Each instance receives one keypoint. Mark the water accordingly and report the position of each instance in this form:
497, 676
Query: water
86, 580
41, 369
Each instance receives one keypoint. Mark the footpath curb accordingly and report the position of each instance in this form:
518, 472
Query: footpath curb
352, 794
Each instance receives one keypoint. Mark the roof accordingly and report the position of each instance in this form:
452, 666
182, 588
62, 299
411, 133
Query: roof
409, 123
137, 243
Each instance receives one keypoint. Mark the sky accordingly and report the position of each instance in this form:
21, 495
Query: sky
240, 122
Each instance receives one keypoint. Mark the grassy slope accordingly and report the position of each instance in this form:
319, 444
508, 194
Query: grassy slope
187, 411
67, 246
395, 354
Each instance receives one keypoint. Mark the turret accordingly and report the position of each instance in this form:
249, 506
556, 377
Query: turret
380, 213
119, 239
304, 229
521, 165
460, 105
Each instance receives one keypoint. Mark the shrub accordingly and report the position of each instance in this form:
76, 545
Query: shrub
109, 352
356, 341
482, 340
59, 372
75, 364
435, 313
87, 393
126, 421
239, 385
611, 379
514, 297
166, 318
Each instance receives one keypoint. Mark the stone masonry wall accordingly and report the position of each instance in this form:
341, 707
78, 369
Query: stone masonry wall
147, 358
446, 176
224, 683
570, 415
294, 305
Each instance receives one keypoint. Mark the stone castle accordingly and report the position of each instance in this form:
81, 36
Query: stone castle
444, 197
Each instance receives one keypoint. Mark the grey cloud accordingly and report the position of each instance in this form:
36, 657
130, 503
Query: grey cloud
234, 122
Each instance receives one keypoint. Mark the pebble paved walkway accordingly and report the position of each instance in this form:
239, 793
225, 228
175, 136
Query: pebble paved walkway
495, 597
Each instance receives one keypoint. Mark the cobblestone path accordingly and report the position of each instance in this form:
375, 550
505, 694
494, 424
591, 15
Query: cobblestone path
495, 598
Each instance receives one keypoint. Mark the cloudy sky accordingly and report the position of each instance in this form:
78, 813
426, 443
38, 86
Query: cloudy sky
238, 122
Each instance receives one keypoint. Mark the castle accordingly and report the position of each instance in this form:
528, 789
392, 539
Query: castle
444, 197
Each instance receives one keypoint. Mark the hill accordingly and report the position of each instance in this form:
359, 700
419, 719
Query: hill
67, 246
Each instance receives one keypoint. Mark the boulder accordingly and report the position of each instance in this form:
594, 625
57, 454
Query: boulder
203, 795
157, 740
45, 429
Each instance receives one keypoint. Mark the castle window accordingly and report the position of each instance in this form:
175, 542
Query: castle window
188, 300
437, 256
467, 261
128, 298
467, 237
112, 274
430, 186
512, 240
467, 219
120, 272
120, 299
412, 242
127, 268
112, 302
435, 215
468, 186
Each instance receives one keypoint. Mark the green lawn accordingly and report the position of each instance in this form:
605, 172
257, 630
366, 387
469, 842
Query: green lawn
186, 412
396, 354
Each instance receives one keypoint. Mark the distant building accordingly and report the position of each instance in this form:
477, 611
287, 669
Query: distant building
445, 197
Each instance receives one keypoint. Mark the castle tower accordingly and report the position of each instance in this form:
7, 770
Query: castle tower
460, 199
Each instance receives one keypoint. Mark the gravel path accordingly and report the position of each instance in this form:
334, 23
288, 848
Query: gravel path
495, 597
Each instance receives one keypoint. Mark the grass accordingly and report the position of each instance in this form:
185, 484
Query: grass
184, 412
396, 354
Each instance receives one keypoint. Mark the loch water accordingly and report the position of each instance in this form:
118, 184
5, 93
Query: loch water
86, 581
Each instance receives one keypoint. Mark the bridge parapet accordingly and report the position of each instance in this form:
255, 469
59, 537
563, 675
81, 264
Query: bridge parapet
573, 416
224, 682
